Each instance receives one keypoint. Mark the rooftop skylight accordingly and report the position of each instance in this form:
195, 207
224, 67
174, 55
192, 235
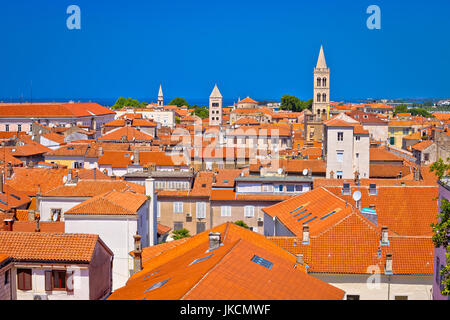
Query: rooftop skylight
262, 262
157, 285
201, 259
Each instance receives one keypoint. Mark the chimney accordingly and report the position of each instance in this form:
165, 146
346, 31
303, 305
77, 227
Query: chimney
38, 218
136, 157
69, 176
388, 267
100, 151
417, 174
137, 254
305, 234
9, 171
152, 209
300, 259
95, 173
1, 182
214, 240
384, 236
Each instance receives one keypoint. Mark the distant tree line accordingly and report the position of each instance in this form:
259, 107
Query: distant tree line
402, 108
123, 102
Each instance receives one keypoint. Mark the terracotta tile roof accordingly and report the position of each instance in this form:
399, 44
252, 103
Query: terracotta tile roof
227, 274
225, 177
262, 130
12, 198
29, 149
54, 137
202, 184
44, 226
117, 159
422, 145
441, 115
414, 136
401, 123
92, 174
6, 156
129, 133
162, 229
246, 121
247, 100
69, 150
225, 194
50, 110
263, 197
317, 166
381, 154
388, 170
110, 203
22, 214
405, 210
3, 258
39, 246
91, 188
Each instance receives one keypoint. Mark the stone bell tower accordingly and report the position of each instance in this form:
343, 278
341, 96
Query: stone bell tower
321, 97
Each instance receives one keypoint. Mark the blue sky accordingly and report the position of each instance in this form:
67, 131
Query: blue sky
257, 48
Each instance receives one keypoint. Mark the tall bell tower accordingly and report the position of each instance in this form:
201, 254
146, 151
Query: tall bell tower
321, 97
215, 107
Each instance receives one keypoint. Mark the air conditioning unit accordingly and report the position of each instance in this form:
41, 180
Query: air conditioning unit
40, 297
188, 215
260, 219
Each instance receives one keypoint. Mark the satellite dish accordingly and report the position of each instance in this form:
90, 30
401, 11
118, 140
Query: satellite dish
280, 170
132, 158
64, 179
357, 195
40, 131
305, 172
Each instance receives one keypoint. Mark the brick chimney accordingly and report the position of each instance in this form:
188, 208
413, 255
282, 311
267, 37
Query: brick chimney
9, 171
38, 218
300, 259
9, 224
152, 209
1, 182
137, 266
388, 266
384, 236
214, 240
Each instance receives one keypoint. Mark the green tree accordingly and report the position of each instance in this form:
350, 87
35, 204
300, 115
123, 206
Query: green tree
440, 168
202, 112
242, 224
294, 104
420, 112
179, 102
441, 229
401, 108
180, 233
129, 102
177, 120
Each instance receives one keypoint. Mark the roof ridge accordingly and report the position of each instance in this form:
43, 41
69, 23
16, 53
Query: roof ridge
212, 268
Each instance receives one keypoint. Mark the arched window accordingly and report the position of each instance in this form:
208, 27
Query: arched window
318, 82
324, 97
324, 111
318, 97
324, 82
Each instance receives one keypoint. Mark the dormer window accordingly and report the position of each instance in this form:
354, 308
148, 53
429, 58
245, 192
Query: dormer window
373, 189
346, 189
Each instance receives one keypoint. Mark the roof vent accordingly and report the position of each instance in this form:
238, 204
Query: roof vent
384, 236
388, 266
214, 240
300, 259
305, 239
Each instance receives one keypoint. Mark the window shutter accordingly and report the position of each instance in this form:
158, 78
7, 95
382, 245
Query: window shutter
48, 281
27, 280
69, 281
20, 283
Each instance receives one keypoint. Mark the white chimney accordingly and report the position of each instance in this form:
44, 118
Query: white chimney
388, 267
214, 240
305, 234
384, 236
152, 203
300, 259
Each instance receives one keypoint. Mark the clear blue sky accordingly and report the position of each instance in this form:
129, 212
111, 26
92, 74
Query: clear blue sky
259, 48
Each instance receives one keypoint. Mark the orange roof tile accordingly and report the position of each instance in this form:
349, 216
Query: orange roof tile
91, 188
422, 145
227, 274
39, 246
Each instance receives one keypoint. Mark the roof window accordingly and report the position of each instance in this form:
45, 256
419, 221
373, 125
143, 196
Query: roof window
201, 259
262, 262
157, 285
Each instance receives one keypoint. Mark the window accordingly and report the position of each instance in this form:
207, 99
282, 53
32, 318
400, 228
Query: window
357, 155
340, 136
178, 207
7, 127
78, 165
318, 97
324, 97
249, 211
401, 297
177, 225
290, 188
405, 130
339, 175
357, 138
225, 211
324, 82
267, 187
55, 214
352, 297
318, 82
392, 141
7, 274
55, 279
340, 156
299, 188
426, 156
24, 279
201, 210
201, 226
262, 262
19, 127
